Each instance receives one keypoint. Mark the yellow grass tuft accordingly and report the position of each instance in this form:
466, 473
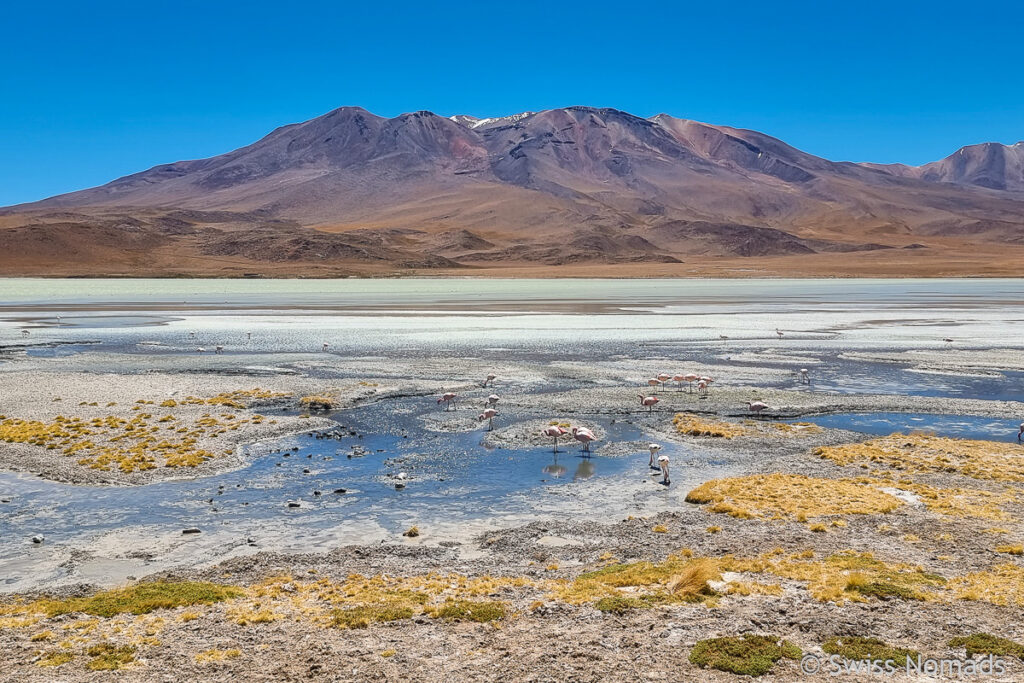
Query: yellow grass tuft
991, 460
217, 655
843, 577
1000, 585
1010, 549
691, 425
791, 496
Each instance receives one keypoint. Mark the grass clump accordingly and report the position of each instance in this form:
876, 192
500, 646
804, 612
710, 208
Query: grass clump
362, 616
1000, 585
480, 611
217, 655
793, 496
843, 577
620, 604
55, 659
108, 657
1010, 549
991, 460
691, 425
143, 598
988, 644
857, 648
748, 655
318, 403
412, 532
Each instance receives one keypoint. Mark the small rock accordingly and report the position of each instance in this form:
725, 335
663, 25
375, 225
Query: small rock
191, 530
293, 504
399, 486
38, 538
340, 491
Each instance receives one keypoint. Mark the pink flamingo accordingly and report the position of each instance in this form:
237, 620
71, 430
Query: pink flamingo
488, 415
702, 387
664, 377
492, 401
663, 461
648, 401
654, 383
448, 399
490, 380
756, 406
653, 448
554, 431
690, 378
584, 436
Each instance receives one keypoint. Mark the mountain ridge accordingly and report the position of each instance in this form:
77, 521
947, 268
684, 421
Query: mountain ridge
350, 191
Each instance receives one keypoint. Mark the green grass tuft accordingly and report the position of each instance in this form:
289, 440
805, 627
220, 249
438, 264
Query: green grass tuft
986, 643
747, 655
470, 610
143, 598
859, 647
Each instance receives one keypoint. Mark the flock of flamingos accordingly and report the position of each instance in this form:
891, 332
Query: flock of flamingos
585, 436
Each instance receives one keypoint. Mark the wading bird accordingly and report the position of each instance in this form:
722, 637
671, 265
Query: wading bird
702, 387
690, 378
1020, 434
584, 436
653, 448
654, 383
218, 349
492, 401
490, 380
663, 462
805, 376
664, 377
201, 350
488, 415
24, 333
648, 401
778, 332
325, 346
448, 399
553, 432
756, 406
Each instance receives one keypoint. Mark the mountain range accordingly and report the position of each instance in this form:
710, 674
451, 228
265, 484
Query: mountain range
573, 191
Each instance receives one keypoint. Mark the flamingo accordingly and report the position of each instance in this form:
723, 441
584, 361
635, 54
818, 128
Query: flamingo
325, 346
690, 378
584, 436
490, 380
653, 448
702, 387
488, 415
664, 377
25, 333
723, 337
492, 401
200, 350
663, 462
756, 406
1020, 434
654, 383
248, 335
648, 401
679, 379
554, 431
448, 399
218, 349
805, 376
778, 332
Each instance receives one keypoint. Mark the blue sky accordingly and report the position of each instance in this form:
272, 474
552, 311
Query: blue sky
93, 91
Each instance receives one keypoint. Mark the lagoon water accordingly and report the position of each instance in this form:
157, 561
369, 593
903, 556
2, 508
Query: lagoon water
459, 483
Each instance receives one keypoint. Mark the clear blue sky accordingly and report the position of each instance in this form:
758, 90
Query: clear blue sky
95, 90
